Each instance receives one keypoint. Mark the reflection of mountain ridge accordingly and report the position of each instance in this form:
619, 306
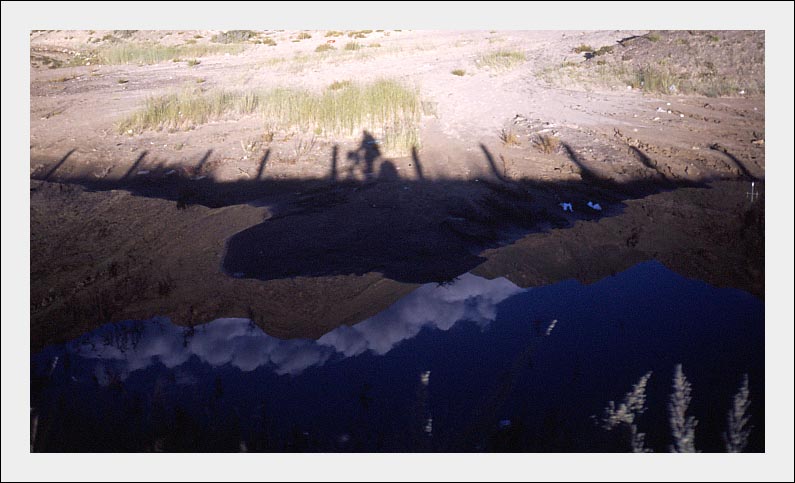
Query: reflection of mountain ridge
715, 235
136, 345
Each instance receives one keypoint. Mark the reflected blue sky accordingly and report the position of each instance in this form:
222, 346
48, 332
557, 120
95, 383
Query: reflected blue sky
476, 365
132, 346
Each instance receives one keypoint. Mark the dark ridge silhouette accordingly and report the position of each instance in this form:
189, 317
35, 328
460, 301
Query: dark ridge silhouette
57, 165
410, 230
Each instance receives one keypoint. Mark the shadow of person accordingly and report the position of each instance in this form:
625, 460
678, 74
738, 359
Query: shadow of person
365, 155
387, 172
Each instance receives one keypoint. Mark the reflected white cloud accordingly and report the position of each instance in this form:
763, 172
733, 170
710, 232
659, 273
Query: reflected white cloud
133, 346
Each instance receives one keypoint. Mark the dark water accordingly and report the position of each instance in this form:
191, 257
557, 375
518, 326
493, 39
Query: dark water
476, 365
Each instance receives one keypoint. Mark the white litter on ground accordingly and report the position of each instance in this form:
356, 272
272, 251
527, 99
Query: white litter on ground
595, 206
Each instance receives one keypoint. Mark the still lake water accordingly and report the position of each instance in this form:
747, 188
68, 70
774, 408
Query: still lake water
475, 365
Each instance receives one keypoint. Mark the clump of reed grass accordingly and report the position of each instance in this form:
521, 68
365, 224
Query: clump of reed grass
547, 143
337, 85
627, 413
151, 53
458, 72
683, 427
509, 137
324, 48
739, 420
233, 36
386, 108
501, 59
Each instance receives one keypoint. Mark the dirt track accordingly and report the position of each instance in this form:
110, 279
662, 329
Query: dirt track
107, 243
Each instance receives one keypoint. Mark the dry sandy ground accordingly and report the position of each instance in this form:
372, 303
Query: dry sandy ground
113, 236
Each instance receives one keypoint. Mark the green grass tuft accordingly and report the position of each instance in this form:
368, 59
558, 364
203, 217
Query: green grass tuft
337, 85
233, 36
388, 109
501, 59
324, 48
150, 53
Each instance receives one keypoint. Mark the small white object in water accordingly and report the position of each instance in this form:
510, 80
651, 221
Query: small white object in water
429, 426
170, 172
197, 178
595, 206
567, 207
143, 171
505, 423
551, 326
425, 378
